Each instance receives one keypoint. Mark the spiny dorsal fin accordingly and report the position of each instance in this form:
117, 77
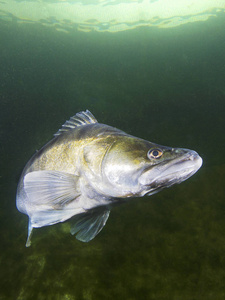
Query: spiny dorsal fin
80, 119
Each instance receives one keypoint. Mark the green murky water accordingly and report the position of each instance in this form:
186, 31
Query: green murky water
164, 85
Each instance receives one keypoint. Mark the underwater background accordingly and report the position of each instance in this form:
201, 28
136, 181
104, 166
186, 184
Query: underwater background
164, 85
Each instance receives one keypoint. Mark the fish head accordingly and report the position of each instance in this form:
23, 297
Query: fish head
172, 167
133, 167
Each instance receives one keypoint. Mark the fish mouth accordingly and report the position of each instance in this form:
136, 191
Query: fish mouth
171, 172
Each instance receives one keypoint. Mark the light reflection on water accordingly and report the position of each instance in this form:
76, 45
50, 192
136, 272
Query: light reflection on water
109, 16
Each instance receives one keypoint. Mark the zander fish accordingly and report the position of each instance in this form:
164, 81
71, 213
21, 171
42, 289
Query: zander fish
89, 167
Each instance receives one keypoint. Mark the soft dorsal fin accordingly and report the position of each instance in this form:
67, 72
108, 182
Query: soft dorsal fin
80, 119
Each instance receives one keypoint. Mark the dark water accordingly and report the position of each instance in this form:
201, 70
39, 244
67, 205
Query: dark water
164, 85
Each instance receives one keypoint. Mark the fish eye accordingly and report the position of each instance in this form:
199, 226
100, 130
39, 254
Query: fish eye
155, 153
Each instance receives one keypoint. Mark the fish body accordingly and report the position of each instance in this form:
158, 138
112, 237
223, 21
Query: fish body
89, 167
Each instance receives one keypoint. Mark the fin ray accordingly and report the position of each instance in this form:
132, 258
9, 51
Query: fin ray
80, 119
88, 225
53, 197
30, 231
51, 188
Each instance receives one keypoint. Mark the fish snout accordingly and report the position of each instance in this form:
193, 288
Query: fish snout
185, 163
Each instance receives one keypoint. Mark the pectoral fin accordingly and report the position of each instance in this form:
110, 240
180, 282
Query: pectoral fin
53, 197
89, 224
51, 188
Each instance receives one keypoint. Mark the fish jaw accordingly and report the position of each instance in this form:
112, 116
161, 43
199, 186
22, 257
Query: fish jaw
165, 175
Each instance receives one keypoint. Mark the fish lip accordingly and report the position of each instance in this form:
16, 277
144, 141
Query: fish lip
172, 172
191, 157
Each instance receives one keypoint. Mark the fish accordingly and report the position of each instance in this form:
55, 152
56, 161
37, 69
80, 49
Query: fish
88, 168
